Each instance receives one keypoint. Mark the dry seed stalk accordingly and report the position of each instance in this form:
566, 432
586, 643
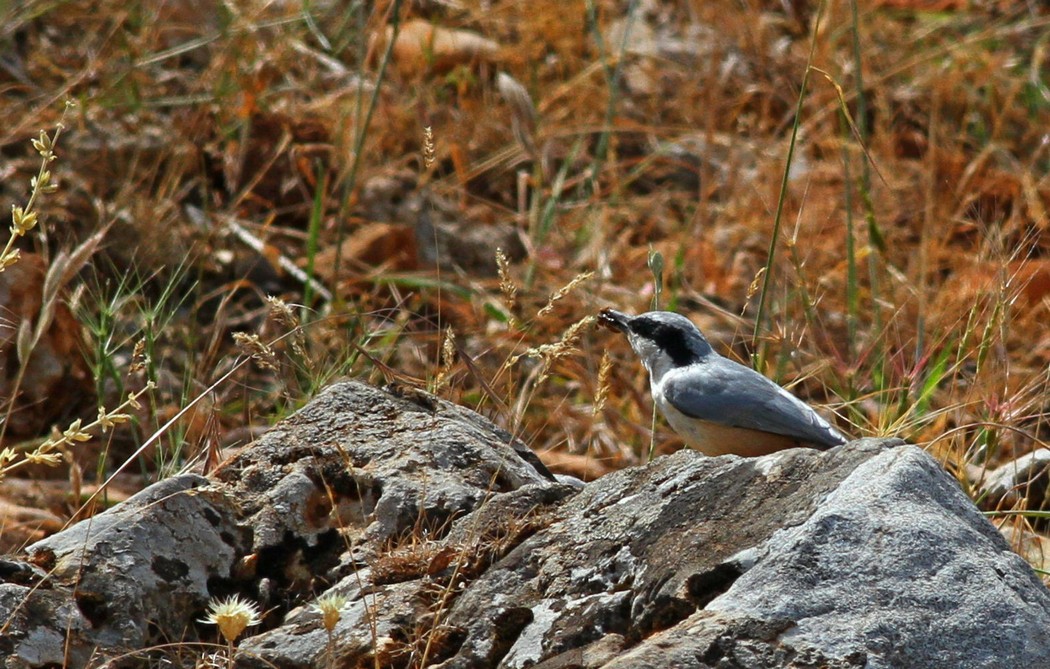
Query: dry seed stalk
282, 314
507, 287
562, 292
256, 349
448, 357
139, 359
429, 150
756, 283
50, 452
602, 392
549, 353
24, 219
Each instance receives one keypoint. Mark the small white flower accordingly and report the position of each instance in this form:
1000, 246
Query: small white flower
232, 615
329, 606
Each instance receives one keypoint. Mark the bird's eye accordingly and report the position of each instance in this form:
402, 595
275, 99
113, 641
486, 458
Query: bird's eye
645, 327
667, 338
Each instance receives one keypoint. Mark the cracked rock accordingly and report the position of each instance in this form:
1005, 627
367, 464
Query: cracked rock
451, 546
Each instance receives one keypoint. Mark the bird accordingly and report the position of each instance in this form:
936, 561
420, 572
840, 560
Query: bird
717, 405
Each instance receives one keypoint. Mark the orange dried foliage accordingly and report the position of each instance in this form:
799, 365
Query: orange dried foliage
423, 47
922, 5
276, 165
370, 248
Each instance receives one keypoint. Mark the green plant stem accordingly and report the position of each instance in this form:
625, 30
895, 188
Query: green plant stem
362, 130
612, 80
757, 355
313, 239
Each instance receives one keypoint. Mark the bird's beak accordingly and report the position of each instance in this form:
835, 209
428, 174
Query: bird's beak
614, 320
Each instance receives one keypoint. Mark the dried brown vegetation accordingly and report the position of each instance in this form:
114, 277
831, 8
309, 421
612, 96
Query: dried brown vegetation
239, 150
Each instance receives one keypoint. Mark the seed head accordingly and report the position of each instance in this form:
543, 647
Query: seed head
232, 615
330, 607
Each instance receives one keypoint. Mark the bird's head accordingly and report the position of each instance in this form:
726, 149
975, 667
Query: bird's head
662, 339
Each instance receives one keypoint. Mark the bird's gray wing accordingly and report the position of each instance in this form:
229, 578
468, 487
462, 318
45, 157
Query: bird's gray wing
728, 393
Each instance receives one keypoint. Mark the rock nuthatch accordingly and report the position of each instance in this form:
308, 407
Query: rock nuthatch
717, 405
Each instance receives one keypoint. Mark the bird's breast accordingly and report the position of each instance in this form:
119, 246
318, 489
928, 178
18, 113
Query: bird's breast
712, 438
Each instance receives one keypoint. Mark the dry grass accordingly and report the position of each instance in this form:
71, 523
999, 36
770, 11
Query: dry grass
909, 284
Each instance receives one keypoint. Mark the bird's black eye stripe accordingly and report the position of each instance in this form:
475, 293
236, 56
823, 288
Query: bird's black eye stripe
670, 339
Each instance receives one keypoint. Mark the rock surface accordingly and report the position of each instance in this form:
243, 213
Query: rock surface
453, 547
117, 580
1028, 476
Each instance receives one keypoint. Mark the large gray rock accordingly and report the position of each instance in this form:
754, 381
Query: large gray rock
121, 579
454, 548
867, 555
894, 568
317, 498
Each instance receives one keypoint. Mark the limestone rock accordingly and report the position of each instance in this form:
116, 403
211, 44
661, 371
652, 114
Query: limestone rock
453, 547
1025, 476
121, 580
